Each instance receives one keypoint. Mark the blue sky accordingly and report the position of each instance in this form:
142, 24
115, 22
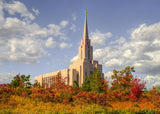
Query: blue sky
39, 36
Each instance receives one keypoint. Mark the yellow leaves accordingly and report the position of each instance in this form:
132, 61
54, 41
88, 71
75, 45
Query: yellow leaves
27, 105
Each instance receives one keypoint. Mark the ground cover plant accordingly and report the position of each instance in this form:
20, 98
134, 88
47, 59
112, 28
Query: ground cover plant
127, 94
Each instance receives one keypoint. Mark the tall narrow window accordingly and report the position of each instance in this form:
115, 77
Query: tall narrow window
81, 53
88, 54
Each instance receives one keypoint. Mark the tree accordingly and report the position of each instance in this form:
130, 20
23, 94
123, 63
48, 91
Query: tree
94, 82
125, 85
122, 79
86, 85
21, 80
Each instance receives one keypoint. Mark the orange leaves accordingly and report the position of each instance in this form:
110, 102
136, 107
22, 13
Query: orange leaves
12, 103
92, 97
24, 94
49, 100
57, 95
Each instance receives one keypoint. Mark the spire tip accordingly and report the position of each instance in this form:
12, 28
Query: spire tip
85, 12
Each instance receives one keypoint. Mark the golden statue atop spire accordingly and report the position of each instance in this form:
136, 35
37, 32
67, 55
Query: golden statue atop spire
85, 12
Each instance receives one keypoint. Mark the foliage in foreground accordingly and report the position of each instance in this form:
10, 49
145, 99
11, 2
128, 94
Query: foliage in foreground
125, 95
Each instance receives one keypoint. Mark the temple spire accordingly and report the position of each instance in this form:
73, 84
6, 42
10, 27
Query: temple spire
85, 34
85, 12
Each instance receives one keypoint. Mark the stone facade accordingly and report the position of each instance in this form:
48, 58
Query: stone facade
84, 66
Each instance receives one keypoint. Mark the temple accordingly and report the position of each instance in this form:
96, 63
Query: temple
84, 66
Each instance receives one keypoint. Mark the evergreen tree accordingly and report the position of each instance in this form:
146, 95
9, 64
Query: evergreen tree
93, 83
86, 85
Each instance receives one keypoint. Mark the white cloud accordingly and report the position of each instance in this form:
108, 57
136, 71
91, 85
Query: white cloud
127, 53
141, 51
64, 23
152, 81
22, 40
18, 7
25, 50
114, 63
98, 39
74, 58
7, 77
64, 45
32, 80
144, 32
1, 13
50, 43
99, 53
108, 75
56, 31
35, 11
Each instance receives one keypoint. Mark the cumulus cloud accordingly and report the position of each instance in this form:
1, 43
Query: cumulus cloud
22, 40
18, 7
141, 50
25, 50
64, 45
98, 39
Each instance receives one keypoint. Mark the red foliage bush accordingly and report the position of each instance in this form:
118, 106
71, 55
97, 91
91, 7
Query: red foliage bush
137, 88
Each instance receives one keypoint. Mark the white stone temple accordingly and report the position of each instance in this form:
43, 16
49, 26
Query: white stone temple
84, 66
